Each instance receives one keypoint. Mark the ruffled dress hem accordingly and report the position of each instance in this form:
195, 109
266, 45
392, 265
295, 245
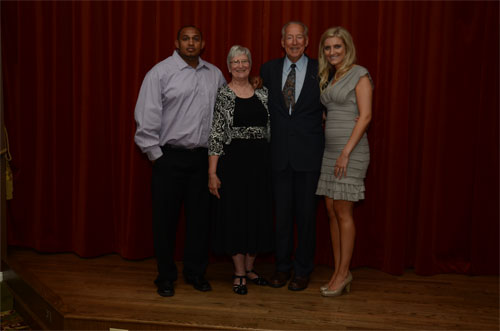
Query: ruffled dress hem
341, 191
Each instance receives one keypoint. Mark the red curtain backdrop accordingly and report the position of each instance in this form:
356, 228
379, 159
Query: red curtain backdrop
72, 72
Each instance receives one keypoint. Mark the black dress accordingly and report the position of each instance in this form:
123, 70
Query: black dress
243, 215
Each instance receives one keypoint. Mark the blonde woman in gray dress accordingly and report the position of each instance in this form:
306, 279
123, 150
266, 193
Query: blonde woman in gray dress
345, 160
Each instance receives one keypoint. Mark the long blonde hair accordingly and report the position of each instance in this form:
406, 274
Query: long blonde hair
325, 67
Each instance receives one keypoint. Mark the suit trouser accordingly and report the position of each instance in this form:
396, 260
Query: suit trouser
295, 198
180, 176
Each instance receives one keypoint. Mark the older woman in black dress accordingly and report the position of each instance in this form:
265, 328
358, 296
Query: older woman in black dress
239, 171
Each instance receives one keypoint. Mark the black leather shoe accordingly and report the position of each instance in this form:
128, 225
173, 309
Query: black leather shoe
240, 288
166, 289
279, 279
257, 280
298, 283
199, 283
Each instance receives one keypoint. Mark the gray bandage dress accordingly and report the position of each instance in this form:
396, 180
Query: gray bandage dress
342, 109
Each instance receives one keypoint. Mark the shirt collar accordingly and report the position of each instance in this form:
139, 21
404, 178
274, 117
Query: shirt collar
182, 64
300, 64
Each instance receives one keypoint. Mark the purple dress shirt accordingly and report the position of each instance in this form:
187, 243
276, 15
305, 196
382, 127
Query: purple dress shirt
175, 105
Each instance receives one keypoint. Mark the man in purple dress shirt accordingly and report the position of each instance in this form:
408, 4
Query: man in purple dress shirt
173, 114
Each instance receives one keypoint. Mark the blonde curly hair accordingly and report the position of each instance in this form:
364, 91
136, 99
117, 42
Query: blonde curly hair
325, 67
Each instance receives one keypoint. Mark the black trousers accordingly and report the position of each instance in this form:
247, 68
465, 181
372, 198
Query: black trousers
180, 177
295, 199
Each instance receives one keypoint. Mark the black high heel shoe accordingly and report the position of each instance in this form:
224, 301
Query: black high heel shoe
258, 280
240, 288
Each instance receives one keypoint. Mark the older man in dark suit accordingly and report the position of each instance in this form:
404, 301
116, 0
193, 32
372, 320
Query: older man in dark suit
297, 142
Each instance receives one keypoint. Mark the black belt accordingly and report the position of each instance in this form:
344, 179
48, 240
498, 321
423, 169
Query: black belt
182, 148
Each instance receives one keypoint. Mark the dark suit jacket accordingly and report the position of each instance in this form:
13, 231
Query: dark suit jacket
296, 139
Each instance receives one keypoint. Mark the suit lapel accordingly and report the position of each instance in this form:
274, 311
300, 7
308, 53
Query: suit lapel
309, 81
278, 75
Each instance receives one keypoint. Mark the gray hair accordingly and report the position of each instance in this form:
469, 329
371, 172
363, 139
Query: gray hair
283, 29
235, 51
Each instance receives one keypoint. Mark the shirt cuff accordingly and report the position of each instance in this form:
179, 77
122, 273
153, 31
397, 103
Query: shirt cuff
154, 153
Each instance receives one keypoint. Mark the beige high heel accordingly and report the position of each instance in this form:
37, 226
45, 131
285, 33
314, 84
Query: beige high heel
346, 285
324, 287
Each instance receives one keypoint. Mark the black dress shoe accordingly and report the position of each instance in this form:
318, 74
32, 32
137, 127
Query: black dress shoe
240, 288
298, 283
257, 280
279, 279
166, 288
199, 283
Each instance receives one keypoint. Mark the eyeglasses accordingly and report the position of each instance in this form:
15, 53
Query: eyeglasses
237, 62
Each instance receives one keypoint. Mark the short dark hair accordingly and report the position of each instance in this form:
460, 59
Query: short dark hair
188, 26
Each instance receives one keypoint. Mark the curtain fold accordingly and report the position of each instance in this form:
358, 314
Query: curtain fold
72, 72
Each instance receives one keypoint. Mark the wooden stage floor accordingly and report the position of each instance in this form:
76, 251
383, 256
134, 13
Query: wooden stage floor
63, 291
